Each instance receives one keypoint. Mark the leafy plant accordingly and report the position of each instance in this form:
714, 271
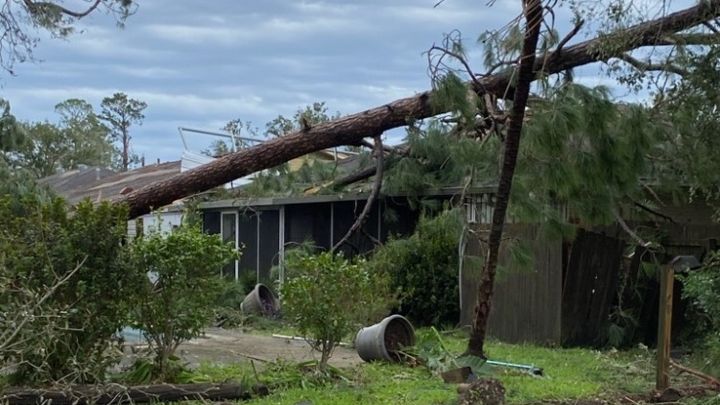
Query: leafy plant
702, 286
434, 354
424, 269
227, 305
42, 242
178, 305
327, 297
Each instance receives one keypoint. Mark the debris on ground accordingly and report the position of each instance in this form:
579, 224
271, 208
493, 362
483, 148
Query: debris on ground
486, 391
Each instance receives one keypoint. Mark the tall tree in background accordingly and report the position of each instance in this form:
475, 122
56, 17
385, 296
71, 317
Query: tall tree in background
79, 138
120, 112
89, 136
21, 19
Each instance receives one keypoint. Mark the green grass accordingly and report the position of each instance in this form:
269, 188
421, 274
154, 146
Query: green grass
568, 374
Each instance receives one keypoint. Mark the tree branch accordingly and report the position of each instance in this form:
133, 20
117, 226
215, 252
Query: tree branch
690, 39
653, 212
706, 377
377, 185
558, 50
34, 6
634, 236
649, 66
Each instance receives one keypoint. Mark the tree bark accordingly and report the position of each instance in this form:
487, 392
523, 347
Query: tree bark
526, 75
351, 129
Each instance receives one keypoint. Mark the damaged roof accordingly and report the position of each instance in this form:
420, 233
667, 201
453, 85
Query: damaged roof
100, 184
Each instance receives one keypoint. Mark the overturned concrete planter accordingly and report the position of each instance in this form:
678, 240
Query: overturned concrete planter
384, 340
260, 301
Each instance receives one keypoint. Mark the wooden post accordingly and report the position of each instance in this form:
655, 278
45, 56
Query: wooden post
667, 277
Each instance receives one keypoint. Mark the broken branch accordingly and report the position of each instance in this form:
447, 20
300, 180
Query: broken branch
697, 373
377, 185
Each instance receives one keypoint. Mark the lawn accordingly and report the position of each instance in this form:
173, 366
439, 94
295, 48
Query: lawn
568, 374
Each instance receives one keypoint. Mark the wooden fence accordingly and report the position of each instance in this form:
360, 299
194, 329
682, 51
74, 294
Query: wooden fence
526, 304
565, 298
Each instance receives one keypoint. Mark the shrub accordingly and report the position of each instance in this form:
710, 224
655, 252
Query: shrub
327, 297
424, 268
179, 304
42, 242
702, 287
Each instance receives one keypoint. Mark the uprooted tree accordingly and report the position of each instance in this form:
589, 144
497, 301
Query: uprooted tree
511, 85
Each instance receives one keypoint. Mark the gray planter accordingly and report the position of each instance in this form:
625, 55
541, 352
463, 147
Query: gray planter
383, 340
260, 301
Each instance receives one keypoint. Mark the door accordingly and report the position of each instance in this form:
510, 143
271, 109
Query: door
228, 230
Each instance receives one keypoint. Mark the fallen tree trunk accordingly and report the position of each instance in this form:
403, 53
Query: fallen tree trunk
129, 395
352, 129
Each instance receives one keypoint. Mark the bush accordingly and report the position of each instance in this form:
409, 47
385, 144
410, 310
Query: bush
424, 268
179, 304
702, 287
70, 331
327, 297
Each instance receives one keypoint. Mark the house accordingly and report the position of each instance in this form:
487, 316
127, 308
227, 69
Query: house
566, 298
265, 227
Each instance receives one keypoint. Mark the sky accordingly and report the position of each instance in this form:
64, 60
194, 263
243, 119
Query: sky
199, 63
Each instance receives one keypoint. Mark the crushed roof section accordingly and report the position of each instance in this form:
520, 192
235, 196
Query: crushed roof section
78, 186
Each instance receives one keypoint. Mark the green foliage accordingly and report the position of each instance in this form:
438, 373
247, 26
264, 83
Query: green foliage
281, 181
327, 297
284, 180
11, 133
310, 115
702, 287
42, 242
44, 148
178, 305
437, 158
424, 268
581, 150
685, 158
231, 294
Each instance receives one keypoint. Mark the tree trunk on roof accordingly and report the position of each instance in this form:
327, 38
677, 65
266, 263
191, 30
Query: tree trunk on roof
352, 129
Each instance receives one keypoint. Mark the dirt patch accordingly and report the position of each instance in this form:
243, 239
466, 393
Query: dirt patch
233, 346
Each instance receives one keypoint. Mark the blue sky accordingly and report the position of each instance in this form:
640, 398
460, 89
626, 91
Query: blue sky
201, 63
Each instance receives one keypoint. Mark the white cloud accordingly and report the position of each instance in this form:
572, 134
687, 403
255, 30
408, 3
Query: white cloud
148, 72
242, 32
175, 103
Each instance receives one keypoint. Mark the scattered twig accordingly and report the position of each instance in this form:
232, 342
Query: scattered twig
457, 56
697, 373
251, 357
654, 212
